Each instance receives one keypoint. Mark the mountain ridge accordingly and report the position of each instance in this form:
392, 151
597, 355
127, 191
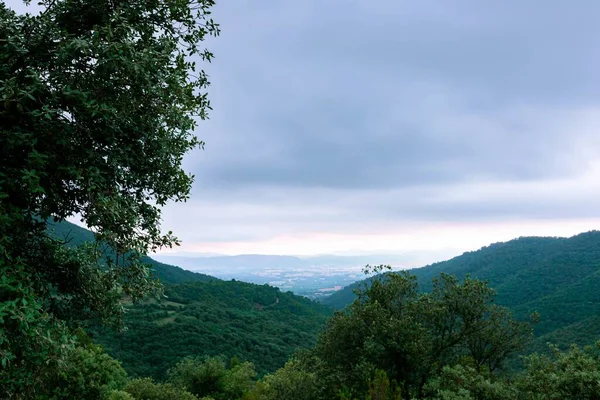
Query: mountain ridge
557, 277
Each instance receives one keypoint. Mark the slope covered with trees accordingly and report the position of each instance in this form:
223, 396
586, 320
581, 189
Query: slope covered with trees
556, 277
394, 342
257, 323
205, 316
74, 235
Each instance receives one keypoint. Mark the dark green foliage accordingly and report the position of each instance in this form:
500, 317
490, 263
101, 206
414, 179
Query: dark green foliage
556, 277
462, 382
574, 374
212, 377
412, 336
147, 389
40, 310
258, 323
98, 105
396, 343
380, 388
87, 373
118, 395
289, 382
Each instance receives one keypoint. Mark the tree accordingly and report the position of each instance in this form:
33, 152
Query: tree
87, 373
212, 377
119, 395
289, 382
147, 389
380, 388
466, 383
412, 336
98, 103
572, 374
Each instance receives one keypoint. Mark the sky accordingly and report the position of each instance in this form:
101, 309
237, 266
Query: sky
391, 126
353, 126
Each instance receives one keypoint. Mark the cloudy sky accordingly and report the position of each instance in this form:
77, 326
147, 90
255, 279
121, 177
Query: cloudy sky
354, 126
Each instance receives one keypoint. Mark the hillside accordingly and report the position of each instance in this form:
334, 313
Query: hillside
258, 323
75, 235
202, 315
557, 277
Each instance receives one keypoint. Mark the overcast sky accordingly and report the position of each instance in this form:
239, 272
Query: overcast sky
351, 126
356, 126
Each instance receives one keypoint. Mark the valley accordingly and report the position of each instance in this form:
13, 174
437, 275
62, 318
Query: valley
315, 277
330, 201
555, 277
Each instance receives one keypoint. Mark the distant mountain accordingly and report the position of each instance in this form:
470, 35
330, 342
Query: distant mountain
558, 277
206, 261
258, 323
312, 277
245, 261
75, 235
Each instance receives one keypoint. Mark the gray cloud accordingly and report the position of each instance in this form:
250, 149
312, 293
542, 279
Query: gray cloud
354, 116
350, 94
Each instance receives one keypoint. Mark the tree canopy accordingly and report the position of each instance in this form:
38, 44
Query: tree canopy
412, 336
556, 277
99, 101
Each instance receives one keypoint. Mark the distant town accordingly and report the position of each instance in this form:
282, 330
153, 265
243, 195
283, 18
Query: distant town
313, 277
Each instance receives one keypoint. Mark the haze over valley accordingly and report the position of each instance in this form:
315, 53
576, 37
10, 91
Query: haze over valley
314, 277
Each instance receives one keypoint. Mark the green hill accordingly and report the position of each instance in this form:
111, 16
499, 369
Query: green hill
258, 323
557, 277
202, 315
75, 235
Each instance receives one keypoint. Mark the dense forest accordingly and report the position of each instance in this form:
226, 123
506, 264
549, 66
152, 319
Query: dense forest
256, 323
556, 277
100, 103
201, 315
214, 326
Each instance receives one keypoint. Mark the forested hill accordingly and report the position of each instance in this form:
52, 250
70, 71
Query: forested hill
558, 277
75, 235
202, 315
258, 323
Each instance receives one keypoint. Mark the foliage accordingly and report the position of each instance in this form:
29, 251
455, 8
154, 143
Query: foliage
380, 388
98, 104
412, 336
98, 107
40, 312
466, 383
258, 323
574, 374
147, 389
289, 382
211, 377
87, 373
118, 395
556, 277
